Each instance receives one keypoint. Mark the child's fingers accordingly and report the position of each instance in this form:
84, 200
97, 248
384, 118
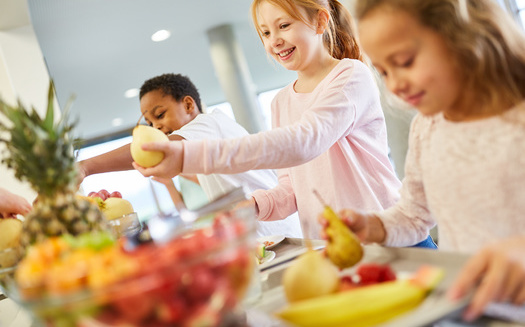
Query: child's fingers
146, 172
467, 278
514, 282
488, 290
156, 146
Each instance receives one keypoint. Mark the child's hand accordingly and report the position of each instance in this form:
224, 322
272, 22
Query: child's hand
170, 166
358, 223
496, 273
12, 204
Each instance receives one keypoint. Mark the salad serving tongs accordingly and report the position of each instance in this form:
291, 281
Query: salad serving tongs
164, 227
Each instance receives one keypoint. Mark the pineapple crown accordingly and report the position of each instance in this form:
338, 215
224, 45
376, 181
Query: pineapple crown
40, 151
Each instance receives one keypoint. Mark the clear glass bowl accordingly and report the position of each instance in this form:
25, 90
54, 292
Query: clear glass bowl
8, 260
126, 225
198, 278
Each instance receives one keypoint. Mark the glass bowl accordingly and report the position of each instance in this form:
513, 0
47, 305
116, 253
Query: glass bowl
198, 278
9, 258
126, 225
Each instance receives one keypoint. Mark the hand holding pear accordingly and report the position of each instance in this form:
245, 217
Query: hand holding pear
146, 134
344, 248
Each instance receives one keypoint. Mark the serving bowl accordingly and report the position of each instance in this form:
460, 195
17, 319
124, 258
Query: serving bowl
198, 278
125, 225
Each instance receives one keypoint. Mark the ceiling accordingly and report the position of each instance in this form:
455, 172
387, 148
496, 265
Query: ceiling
98, 49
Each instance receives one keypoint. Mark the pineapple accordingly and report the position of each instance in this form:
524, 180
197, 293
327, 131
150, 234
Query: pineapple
41, 152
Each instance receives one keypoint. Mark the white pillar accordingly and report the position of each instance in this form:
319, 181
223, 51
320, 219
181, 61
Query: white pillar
234, 76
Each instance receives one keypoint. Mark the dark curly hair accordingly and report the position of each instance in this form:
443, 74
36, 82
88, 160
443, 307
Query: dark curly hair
176, 85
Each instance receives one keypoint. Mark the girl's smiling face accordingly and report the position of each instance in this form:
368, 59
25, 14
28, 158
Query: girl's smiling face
166, 114
414, 61
290, 41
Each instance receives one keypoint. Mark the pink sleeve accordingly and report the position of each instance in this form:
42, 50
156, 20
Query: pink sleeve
277, 203
409, 221
329, 119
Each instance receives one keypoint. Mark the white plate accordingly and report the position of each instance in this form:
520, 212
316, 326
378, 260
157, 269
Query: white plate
270, 255
276, 239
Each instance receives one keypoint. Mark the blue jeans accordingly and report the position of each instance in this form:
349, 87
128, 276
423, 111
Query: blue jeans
426, 243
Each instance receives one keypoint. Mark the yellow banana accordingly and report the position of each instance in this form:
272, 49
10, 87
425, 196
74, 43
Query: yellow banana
362, 307
344, 248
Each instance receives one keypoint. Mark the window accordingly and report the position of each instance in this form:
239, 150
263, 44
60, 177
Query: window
516, 8
133, 186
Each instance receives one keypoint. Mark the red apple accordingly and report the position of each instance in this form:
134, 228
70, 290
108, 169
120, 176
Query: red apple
115, 194
104, 194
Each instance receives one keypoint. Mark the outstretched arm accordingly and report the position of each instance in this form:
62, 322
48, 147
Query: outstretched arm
116, 160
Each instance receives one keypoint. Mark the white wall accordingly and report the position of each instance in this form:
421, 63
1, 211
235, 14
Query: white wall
22, 68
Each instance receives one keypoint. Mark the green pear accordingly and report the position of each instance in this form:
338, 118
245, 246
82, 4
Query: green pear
145, 134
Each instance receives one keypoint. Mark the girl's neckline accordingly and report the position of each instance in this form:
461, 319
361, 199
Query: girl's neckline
321, 81
511, 111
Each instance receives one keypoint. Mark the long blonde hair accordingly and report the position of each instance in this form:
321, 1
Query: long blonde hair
488, 45
340, 37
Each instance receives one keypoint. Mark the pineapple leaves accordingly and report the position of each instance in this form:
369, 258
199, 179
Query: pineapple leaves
48, 123
40, 151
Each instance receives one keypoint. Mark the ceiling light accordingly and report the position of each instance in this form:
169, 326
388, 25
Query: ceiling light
160, 35
116, 122
131, 93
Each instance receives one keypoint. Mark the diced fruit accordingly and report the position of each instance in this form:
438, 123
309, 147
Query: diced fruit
428, 276
369, 273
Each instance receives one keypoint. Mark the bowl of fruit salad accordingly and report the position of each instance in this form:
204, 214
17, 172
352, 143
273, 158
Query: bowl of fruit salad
196, 278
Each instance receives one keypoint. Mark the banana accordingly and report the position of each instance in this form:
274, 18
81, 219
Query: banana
344, 248
365, 306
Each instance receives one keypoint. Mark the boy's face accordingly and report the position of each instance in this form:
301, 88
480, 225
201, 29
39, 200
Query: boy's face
164, 113
414, 60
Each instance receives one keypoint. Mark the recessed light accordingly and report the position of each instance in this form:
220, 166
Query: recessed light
160, 35
116, 122
131, 93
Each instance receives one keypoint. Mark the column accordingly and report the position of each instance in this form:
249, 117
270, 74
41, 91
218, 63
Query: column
231, 68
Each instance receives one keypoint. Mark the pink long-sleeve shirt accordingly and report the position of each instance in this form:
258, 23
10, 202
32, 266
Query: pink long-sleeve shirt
332, 140
469, 177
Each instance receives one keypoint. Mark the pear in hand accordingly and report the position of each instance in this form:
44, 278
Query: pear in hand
344, 248
145, 134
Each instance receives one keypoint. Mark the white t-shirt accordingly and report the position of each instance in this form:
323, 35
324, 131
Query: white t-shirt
216, 125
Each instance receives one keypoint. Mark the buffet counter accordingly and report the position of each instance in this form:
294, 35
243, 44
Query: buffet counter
436, 310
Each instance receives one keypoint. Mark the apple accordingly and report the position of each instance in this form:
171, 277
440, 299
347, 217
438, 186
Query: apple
104, 193
115, 194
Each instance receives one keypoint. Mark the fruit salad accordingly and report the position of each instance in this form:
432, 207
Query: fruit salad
195, 279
